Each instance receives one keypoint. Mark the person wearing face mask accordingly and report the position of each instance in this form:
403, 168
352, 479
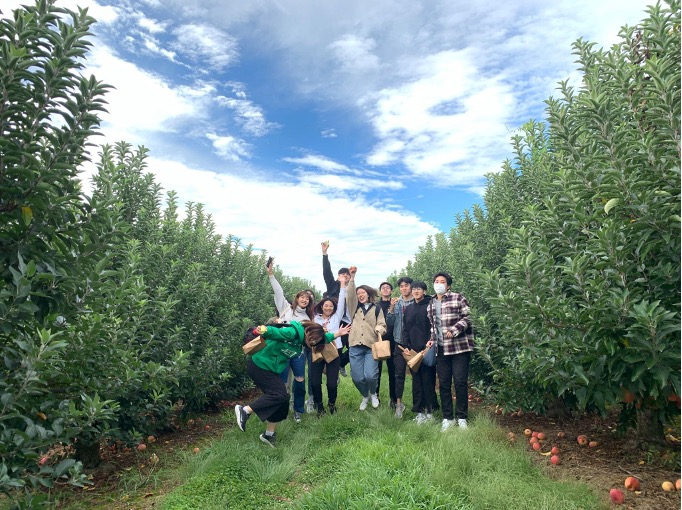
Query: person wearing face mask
301, 310
453, 333
367, 322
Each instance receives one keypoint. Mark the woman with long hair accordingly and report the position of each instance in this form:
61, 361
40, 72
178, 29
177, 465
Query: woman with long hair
266, 365
328, 314
301, 310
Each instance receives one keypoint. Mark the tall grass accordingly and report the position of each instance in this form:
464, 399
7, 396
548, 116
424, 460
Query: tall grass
360, 460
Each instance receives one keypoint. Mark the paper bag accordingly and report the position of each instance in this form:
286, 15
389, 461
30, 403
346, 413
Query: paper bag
381, 349
253, 346
416, 361
408, 354
317, 356
330, 352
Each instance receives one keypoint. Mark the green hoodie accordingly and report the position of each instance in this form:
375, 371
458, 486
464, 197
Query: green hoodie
282, 344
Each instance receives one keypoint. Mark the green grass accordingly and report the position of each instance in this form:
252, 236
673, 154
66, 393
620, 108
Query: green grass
361, 460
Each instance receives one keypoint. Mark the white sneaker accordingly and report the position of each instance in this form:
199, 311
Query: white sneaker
462, 423
420, 418
375, 400
446, 424
399, 408
310, 406
363, 404
429, 417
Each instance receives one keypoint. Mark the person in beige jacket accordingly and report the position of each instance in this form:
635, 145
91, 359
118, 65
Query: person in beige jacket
368, 321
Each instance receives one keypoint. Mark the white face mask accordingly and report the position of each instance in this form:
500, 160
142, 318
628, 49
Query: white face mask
439, 288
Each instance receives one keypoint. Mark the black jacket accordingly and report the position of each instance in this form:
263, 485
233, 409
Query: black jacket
333, 285
416, 325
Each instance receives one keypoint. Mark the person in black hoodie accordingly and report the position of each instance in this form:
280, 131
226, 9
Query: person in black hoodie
416, 334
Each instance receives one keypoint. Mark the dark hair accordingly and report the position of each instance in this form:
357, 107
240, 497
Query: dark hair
385, 283
318, 306
314, 335
308, 309
447, 277
372, 293
419, 285
344, 270
404, 279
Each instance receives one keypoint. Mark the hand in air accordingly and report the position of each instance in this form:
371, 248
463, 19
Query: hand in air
343, 330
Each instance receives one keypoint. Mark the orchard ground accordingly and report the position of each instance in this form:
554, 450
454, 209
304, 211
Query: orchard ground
129, 478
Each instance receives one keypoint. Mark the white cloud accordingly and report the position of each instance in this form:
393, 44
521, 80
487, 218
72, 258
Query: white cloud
229, 147
321, 162
354, 53
328, 133
207, 45
336, 183
247, 114
150, 25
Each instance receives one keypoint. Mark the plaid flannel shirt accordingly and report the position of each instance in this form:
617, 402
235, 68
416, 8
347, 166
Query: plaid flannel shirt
454, 316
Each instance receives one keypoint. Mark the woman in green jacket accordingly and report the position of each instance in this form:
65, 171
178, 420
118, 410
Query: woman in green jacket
266, 365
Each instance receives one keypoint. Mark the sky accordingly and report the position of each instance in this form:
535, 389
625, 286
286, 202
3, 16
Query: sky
368, 124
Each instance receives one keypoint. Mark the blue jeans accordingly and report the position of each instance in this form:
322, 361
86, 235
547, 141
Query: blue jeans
297, 365
364, 370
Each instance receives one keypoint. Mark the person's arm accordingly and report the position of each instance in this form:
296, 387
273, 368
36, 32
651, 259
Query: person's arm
405, 335
330, 337
280, 301
278, 334
351, 296
327, 269
338, 315
380, 326
461, 308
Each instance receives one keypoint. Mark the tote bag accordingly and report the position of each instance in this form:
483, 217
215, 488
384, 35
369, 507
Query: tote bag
253, 346
330, 352
416, 361
381, 349
430, 357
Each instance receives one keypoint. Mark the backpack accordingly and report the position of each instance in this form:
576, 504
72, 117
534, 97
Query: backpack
250, 335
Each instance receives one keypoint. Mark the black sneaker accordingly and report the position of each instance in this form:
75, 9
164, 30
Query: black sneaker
268, 439
242, 416
332, 408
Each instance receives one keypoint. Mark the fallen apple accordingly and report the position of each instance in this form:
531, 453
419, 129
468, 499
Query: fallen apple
668, 486
632, 483
677, 484
593, 444
151, 439
141, 447
541, 436
555, 450
554, 459
511, 436
582, 440
196, 450
527, 432
534, 433
537, 447
533, 440
43, 461
561, 435
617, 497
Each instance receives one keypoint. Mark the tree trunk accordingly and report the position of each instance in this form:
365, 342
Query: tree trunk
649, 427
87, 451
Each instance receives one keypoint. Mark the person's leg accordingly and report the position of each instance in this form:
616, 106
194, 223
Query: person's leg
316, 379
391, 380
380, 364
428, 378
309, 364
332, 383
417, 402
298, 368
399, 367
444, 370
357, 369
275, 400
460, 368
371, 372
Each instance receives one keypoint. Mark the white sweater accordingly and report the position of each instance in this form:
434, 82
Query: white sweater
334, 322
286, 313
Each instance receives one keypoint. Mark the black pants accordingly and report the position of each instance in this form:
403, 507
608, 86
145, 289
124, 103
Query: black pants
273, 405
454, 367
423, 389
391, 375
345, 355
332, 381
399, 370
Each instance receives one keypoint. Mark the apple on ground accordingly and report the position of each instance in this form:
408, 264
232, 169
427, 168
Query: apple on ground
533, 440
582, 440
632, 483
554, 459
537, 446
561, 435
555, 450
593, 444
668, 486
677, 484
534, 433
527, 432
141, 447
196, 450
151, 439
542, 436
617, 497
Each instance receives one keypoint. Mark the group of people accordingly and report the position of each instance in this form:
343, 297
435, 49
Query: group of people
354, 317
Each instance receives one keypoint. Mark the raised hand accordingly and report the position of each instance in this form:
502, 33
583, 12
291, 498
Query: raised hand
325, 246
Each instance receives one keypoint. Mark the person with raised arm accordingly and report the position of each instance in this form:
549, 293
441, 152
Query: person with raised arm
333, 289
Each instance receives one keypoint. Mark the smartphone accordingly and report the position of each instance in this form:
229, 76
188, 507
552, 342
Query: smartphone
269, 262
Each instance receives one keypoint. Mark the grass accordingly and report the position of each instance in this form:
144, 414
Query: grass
362, 460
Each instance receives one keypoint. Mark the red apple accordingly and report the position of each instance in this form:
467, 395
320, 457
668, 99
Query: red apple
617, 497
207, 427
631, 483
151, 439
554, 459
561, 435
43, 461
555, 450
535, 434
537, 446
582, 440
593, 444
677, 484
541, 436
533, 440
141, 447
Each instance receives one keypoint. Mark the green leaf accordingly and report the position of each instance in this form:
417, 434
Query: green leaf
611, 204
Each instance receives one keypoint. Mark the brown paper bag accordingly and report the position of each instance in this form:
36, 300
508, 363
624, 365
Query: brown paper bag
330, 352
416, 361
381, 349
253, 346
408, 354
317, 356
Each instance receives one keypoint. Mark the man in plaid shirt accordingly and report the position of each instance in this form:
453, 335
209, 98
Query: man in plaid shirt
452, 331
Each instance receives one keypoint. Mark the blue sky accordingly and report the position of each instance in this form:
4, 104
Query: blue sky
371, 124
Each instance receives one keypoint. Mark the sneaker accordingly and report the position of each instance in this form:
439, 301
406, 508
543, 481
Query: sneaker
462, 423
420, 418
297, 417
375, 400
363, 403
446, 424
343, 372
429, 417
392, 405
269, 440
242, 416
399, 408
310, 406
332, 408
